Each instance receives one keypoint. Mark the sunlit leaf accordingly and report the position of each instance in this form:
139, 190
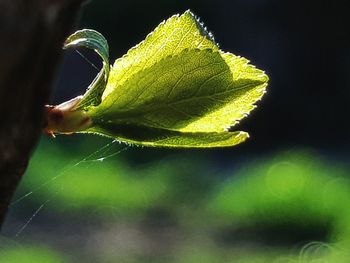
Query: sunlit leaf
145, 136
194, 92
174, 89
168, 39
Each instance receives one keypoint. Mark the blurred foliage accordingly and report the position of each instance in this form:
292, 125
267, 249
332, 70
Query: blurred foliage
93, 184
30, 255
292, 207
294, 189
110, 184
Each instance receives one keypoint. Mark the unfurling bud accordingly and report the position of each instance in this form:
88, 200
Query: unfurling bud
66, 119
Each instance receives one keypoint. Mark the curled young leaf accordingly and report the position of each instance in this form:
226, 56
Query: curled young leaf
92, 39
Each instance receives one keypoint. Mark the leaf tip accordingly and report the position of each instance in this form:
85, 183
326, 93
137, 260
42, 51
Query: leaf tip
243, 136
200, 25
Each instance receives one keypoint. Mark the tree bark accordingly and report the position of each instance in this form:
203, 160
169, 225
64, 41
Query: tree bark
32, 33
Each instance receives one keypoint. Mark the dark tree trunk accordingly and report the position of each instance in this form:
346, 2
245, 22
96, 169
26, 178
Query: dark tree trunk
32, 33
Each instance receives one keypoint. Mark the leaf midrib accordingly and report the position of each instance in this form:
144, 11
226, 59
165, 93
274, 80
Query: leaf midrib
147, 110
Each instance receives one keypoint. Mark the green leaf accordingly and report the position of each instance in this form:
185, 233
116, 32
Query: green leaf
93, 40
248, 85
193, 91
168, 39
174, 89
146, 136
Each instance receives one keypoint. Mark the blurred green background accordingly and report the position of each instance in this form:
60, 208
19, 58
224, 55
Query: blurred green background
283, 196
